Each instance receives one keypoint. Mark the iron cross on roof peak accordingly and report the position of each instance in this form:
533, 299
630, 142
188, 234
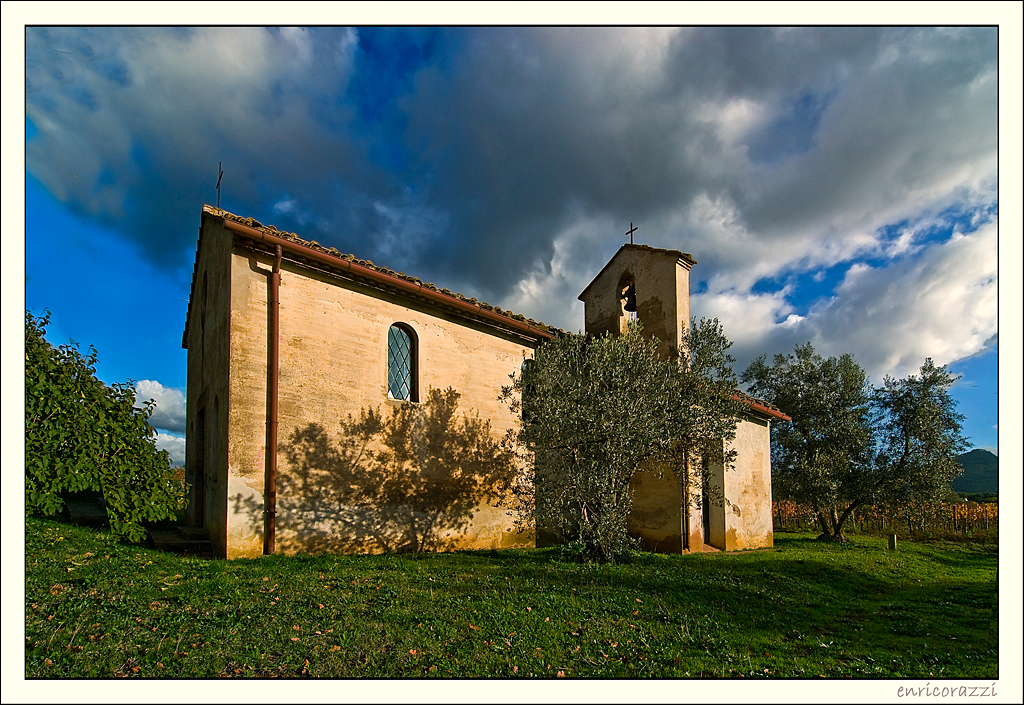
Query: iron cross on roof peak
220, 175
632, 229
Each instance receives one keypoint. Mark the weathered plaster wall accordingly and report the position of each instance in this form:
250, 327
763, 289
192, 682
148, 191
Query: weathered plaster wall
716, 507
660, 519
207, 376
748, 489
333, 363
657, 515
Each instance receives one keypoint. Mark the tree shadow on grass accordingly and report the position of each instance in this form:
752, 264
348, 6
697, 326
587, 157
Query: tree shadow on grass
411, 482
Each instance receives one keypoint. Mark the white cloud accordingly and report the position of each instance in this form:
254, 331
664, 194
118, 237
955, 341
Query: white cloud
169, 413
940, 303
174, 445
748, 318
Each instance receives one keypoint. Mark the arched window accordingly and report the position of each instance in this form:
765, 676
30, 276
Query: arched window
401, 363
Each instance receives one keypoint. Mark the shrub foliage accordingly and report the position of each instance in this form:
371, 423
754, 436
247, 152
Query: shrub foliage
82, 435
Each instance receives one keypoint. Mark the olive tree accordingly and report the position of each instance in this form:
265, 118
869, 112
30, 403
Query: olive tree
81, 434
918, 435
848, 444
821, 458
594, 411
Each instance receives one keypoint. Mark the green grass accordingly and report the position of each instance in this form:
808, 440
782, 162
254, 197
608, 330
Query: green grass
98, 608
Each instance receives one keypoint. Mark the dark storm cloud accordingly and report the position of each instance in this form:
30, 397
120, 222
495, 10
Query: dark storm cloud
164, 106
507, 162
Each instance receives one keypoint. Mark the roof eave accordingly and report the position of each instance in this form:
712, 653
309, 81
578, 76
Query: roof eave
410, 286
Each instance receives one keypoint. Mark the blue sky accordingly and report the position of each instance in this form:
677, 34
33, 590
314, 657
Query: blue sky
835, 185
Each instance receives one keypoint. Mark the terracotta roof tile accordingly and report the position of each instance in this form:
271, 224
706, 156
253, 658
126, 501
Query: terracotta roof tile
314, 245
760, 405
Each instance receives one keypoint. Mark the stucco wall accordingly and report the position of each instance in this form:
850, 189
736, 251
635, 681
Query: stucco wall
715, 507
333, 363
748, 488
657, 517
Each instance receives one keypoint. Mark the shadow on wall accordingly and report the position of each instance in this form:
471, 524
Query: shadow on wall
411, 482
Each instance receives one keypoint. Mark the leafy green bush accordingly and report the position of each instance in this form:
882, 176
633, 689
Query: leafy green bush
82, 435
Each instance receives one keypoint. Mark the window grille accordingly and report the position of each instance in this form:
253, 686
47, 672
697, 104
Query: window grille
401, 364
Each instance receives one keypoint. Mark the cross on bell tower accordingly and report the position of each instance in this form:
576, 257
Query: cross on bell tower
632, 229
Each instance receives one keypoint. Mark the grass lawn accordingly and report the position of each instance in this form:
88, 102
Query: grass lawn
95, 607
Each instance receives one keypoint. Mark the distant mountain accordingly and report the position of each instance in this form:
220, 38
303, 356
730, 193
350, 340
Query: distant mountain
981, 472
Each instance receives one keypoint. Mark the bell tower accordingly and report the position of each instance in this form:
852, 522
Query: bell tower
645, 282
653, 285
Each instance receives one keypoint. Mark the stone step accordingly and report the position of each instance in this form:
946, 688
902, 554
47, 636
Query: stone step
85, 510
193, 532
173, 540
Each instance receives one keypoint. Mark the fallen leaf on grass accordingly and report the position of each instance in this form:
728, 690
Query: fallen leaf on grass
472, 627
335, 648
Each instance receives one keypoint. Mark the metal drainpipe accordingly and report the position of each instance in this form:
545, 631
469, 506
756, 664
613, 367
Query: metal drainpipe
270, 481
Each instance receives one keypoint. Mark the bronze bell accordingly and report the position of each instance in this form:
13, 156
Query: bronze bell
630, 296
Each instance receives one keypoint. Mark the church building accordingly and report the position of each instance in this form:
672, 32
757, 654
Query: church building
336, 405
